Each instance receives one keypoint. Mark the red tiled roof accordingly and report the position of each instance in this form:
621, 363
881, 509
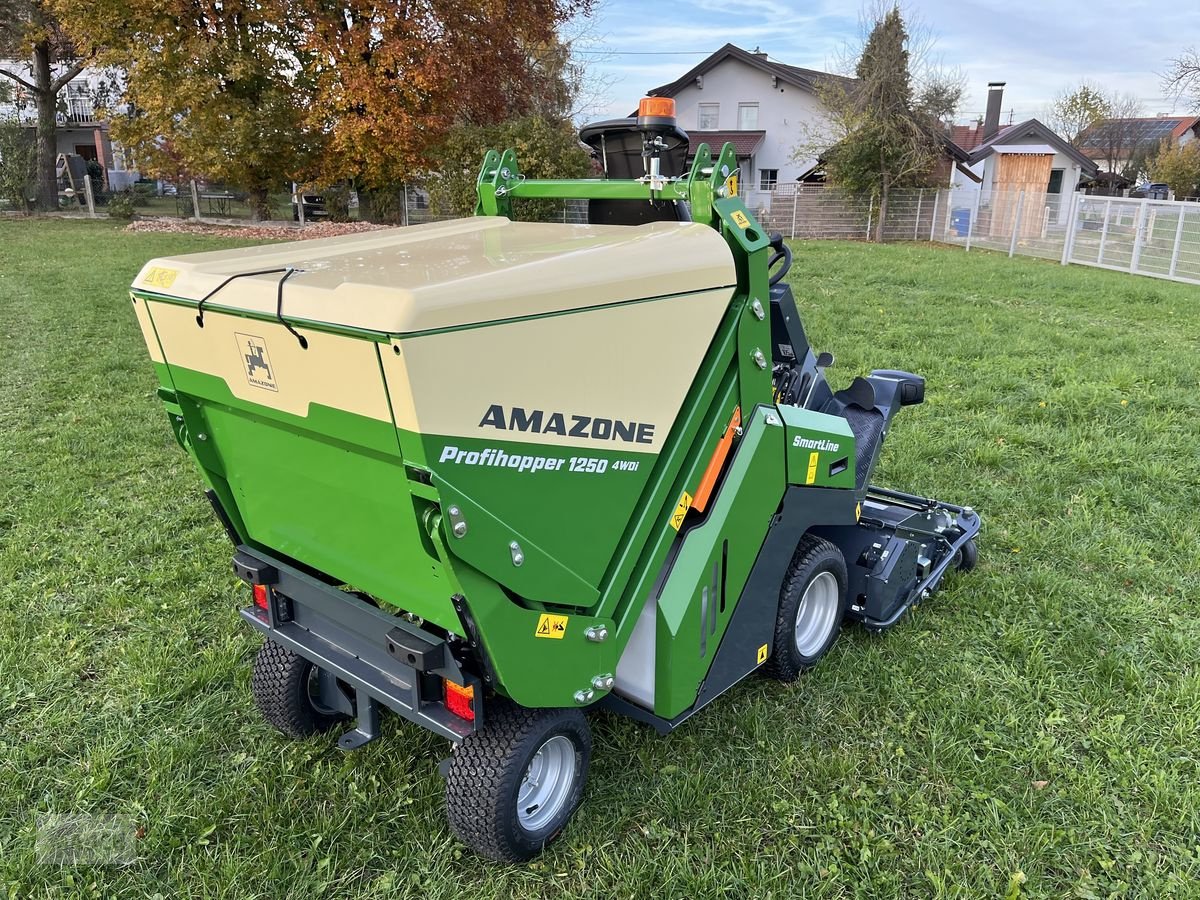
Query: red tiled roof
967, 136
744, 142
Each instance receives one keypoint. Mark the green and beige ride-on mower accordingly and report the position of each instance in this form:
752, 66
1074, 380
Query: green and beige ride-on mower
491, 474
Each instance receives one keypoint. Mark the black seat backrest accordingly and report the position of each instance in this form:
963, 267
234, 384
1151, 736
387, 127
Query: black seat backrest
617, 145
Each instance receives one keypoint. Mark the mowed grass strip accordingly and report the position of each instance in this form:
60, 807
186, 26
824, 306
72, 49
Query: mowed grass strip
1032, 731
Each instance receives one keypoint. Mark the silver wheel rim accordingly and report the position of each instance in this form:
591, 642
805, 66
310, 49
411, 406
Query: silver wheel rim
816, 615
546, 784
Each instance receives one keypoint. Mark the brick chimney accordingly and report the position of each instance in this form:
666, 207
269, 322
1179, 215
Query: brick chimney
991, 121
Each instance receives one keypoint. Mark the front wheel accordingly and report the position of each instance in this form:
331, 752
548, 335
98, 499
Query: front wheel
812, 604
514, 784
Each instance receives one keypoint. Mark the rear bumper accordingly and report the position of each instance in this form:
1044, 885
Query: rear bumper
384, 659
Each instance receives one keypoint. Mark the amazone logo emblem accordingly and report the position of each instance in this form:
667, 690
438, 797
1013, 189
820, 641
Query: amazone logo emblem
256, 362
539, 421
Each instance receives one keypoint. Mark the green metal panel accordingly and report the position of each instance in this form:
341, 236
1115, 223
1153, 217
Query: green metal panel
533, 670
820, 448
713, 563
567, 510
329, 489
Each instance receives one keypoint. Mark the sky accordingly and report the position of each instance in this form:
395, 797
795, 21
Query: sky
1038, 48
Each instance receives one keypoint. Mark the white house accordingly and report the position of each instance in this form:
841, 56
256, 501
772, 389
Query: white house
769, 111
81, 129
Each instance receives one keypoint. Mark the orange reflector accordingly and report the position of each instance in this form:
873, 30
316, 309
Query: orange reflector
709, 480
460, 700
656, 107
262, 595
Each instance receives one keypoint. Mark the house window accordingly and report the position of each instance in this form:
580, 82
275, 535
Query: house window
1056, 180
708, 116
767, 179
747, 116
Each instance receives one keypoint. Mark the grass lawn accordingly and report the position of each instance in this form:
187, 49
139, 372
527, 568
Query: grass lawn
1032, 731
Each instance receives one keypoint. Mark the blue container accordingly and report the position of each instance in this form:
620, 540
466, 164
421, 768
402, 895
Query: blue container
960, 220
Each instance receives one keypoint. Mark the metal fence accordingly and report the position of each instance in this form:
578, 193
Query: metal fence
210, 202
816, 211
1159, 238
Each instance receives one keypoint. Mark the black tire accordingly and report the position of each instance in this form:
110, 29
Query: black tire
282, 686
812, 558
968, 557
487, 772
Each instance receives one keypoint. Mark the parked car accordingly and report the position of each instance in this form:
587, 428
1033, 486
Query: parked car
314, 207
1152, 191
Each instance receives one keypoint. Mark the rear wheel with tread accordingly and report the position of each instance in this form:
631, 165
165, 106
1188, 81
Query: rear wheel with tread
812, 604
513, 785
284, 685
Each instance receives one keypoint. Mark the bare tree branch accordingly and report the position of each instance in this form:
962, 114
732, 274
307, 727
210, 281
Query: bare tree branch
60, 82
1183, 78
18, 79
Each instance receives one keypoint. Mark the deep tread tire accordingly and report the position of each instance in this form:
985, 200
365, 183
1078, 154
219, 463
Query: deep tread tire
813, 556
485, 776
280, 684
968, 557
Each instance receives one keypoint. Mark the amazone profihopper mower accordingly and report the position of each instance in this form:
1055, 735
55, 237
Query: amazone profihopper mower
491, 474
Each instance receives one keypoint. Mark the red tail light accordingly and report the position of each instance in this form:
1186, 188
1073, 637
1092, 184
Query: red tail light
460, 700
262, 596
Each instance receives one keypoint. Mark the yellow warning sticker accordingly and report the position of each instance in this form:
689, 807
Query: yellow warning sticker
158, 277
762, 654
812, 467
548, 626
740, 219
681, 508
857, 511
731, 186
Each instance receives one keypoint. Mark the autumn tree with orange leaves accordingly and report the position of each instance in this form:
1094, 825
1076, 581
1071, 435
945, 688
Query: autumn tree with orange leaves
255, 92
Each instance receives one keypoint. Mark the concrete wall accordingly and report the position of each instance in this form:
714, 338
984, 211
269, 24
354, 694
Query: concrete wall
791, 116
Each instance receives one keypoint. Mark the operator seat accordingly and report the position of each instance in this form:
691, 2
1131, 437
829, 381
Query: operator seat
616, 144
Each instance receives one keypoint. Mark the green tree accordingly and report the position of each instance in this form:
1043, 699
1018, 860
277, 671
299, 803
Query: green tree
887, 121
545, 149
18, 165
31, 32
214, 90
1178, 167
1073, 111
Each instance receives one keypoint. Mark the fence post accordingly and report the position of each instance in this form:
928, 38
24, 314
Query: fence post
974, 216
298, 193
870, 216
917, 223
1072, 224
89, 196
404, 211
1012, 244
1178, 240
1104, 233
195, 201
795, 200
937, 195
1138, 224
